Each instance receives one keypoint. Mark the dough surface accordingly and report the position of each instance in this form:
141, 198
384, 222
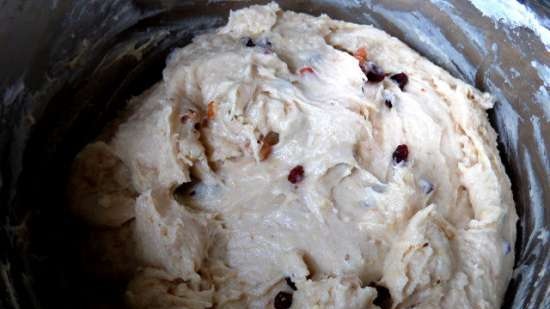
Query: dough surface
271, 158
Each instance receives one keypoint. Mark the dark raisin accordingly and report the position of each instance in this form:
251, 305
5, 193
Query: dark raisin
296, 174
249, 43
290, 283
283, 300
401, 79
373, 72
383, 296
197, 126
388, 103
401, 153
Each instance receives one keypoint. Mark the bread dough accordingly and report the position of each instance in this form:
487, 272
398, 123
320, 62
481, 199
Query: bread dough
268, 159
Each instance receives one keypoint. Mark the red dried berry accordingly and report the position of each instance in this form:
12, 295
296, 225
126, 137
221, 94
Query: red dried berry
283, 300
296, 174
401, 79
401, 153
305, 70
373, 72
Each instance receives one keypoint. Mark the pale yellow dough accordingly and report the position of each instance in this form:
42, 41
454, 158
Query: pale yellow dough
238, 227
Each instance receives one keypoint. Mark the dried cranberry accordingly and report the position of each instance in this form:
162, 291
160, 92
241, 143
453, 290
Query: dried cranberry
401, 153
305, 70
374, 73
283, 300
296, 174
290, 283
401, 79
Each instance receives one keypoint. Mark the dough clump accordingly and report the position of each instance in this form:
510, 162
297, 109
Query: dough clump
291, 160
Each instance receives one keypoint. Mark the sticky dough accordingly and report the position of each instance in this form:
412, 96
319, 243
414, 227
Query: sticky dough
194, 204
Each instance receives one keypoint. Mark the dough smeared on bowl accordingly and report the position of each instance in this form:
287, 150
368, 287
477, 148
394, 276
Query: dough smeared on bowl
294, 161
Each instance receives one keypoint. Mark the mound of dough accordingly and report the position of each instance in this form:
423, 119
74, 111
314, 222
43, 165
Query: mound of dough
294, 161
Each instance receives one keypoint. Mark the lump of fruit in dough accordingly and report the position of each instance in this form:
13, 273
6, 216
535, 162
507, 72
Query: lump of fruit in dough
168, 236
100, 190
154, 288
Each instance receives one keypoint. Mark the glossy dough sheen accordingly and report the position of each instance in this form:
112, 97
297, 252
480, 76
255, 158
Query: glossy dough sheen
436, 229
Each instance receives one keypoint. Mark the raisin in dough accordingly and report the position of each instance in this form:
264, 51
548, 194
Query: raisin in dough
196, 172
